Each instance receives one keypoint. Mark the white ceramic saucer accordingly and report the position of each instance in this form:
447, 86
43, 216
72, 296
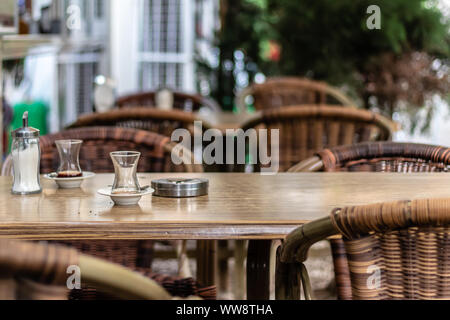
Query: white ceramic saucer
125, 199
69, 183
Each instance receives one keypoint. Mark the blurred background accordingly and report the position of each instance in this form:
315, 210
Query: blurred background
73, 57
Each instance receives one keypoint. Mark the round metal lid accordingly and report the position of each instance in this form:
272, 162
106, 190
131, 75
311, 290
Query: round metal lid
180, 188
27, 132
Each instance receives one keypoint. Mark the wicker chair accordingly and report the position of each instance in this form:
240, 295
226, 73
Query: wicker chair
181, 101
40, 271
288, 91
373, 157
161, 121
378, 157
98, 142
304, 130
395, 250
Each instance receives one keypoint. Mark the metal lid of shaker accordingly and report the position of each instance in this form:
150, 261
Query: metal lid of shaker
25, 131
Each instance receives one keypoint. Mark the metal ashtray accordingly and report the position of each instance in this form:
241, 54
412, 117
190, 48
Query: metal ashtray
180, 188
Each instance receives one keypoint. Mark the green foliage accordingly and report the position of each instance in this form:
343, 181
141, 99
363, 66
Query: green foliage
329, 40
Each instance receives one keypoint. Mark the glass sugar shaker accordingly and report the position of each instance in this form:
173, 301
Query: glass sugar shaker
26, 155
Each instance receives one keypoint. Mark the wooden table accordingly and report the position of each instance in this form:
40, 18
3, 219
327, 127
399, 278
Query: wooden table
239, 206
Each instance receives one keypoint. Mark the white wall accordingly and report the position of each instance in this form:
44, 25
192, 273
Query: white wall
124, 44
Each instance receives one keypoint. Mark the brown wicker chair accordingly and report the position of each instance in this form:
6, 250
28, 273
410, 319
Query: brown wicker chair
181, 101
304, 130
395, 250
378, 157
161, 121
373, 157
39, 271
288, 91
98, 142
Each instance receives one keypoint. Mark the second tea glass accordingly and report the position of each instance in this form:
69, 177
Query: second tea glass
69, 157
125, 169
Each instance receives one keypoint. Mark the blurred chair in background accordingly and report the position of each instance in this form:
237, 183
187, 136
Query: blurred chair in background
168, 100
160, 121
305, 130
288, 91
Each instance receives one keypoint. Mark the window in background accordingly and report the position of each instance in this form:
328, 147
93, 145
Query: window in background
165, 57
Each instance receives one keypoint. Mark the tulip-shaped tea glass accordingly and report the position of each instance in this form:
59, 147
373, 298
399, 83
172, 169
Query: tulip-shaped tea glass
125, 167
69, 153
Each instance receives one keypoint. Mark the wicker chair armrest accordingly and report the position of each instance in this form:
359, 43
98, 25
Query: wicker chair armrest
119, 281
296, 245
312, 164
289, 280
48, 264
39, 262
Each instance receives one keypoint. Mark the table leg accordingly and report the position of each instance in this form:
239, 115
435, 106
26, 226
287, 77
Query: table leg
222, 252
258, 269
206, 262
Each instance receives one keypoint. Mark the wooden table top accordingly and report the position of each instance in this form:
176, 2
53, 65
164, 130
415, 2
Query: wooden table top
239, 206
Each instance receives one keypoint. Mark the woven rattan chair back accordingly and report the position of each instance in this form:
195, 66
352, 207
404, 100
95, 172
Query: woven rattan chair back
305, 130
181, 101
372, 157
395, 250
41, 271
98, 142
288, 91
160, 121
379, 157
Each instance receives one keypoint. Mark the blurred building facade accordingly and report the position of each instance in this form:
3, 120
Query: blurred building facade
154, 42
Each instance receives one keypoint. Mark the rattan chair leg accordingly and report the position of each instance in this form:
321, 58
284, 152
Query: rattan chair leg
281, 278
306, 284
288, 280
184, 270
308, 165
